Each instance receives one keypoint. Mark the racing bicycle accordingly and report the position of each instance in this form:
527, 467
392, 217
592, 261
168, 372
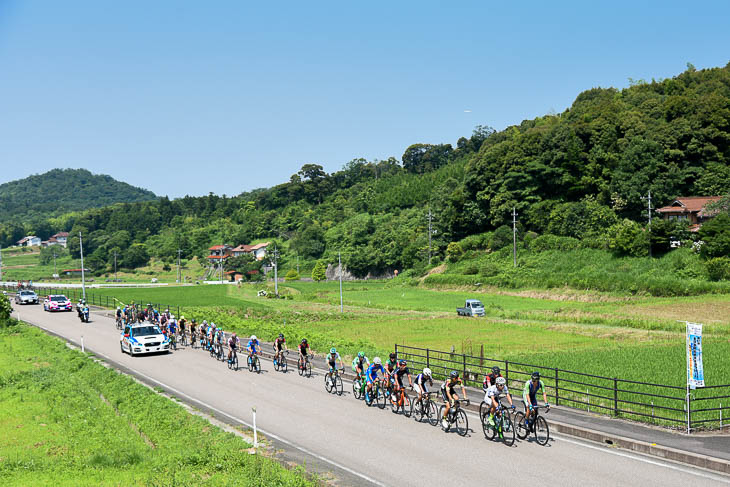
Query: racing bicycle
233, 361
254, 364
376, 395
280, 364
538, 426
333, 382
305, 366
425, 408
503, 428
456, 416
399, 401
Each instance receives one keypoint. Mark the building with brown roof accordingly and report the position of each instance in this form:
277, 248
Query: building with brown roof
689, 208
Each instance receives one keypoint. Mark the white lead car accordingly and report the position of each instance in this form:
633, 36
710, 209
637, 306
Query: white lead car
143, 338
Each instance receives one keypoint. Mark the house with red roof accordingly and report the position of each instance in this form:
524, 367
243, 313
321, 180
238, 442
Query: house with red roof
691, 209
258, 251
219, 253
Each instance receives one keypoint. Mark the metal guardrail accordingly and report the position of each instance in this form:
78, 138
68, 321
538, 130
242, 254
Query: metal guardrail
661, 404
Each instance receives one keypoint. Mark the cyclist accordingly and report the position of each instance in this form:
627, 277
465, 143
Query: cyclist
172, 327
220, 338
360, 364
202, 331
118, 315
303, 349
332, 358
211, 334
233, 344
253, 342
491, 379
399, 373
182, 322
529, 396
421, 380
389, 372
279, 346
193, 330
449, 395
371, 375
392, 360
491, 397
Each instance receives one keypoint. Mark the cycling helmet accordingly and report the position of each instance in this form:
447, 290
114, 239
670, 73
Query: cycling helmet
192, 321
172, 317
253, 337
333, 350
233, 335
501, 381
454, 374
118, 308
495, 370
402, 363
535, 375
304, 340
360, 354
393, 356
281, 335
427, 372
205, 322
376, 361
182, 317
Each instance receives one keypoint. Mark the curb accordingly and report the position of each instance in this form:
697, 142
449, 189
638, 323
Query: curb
664, 452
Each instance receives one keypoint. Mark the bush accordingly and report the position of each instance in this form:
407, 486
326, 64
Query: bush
553, 242
718, 268
471, 270
5, 309
454, 252
716, 235
292, 275
319, 273
166, 267
501, 237
628, 238
490, 269
476, 242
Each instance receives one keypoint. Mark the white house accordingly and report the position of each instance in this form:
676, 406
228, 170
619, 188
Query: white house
258, 251
29, 241
61, 238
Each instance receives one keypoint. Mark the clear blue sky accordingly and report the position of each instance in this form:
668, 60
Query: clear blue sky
188, 97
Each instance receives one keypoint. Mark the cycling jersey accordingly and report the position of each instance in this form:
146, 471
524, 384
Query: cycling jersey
451, 385
182, 325
399, 373
362, 363
279, 344
490, 380
331, 359
252, 344
372, 372
530, 392
421, 381
303, 348
173, 327
493, 392
219, 336
232, 343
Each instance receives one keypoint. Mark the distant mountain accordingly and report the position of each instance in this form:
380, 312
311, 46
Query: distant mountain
60, 191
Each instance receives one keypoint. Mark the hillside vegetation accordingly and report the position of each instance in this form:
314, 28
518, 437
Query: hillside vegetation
41, 196
578, 174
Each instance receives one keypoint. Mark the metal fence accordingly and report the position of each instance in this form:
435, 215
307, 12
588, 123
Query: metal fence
661, 404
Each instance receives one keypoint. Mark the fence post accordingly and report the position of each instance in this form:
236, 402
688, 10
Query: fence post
689, 413
178, 312
463, 356
428, 359
481, 356
506, 370
396, 350
615, 396
557, 393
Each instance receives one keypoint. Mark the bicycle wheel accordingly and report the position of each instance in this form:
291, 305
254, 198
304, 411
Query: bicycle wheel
394, 400
432, 413
508, 430
282, 365
327, 383
407, 406
357, 389
462, 423
441, 417
249, 362
257, 364
483, 410
339, 387
230, 364
542, 432
276, 363
417, 410
520, 427
300, 368
488, 430
380, 398
309, 369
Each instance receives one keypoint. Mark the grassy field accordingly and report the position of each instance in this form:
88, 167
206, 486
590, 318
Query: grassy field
65, 420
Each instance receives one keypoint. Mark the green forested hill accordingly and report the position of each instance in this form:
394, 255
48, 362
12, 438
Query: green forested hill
580, 174
60, 191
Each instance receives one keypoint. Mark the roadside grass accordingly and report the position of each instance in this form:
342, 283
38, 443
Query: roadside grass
65, 420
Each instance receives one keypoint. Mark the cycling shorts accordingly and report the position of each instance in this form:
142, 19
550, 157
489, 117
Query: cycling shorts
532, 401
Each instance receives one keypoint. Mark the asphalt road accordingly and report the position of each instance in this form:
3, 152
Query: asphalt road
361, 445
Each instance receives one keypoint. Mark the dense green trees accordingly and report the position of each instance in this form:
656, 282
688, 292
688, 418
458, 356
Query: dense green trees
579, 175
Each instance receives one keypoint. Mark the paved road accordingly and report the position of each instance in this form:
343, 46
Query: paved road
368, 446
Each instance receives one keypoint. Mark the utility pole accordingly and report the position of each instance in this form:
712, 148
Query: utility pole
339, 265
54, 264
297, 263
115, 266
648, 200
514, 236
83, 279
430, 232
179, 276
1, 264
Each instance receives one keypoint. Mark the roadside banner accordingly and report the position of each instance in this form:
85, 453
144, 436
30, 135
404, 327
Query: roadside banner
695, 371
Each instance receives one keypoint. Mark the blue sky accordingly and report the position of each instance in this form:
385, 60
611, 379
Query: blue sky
186, 97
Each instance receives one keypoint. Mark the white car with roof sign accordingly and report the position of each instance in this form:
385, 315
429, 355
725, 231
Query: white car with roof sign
143, 338
57, 302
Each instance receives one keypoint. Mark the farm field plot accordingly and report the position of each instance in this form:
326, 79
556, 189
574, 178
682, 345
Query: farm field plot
65, 420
